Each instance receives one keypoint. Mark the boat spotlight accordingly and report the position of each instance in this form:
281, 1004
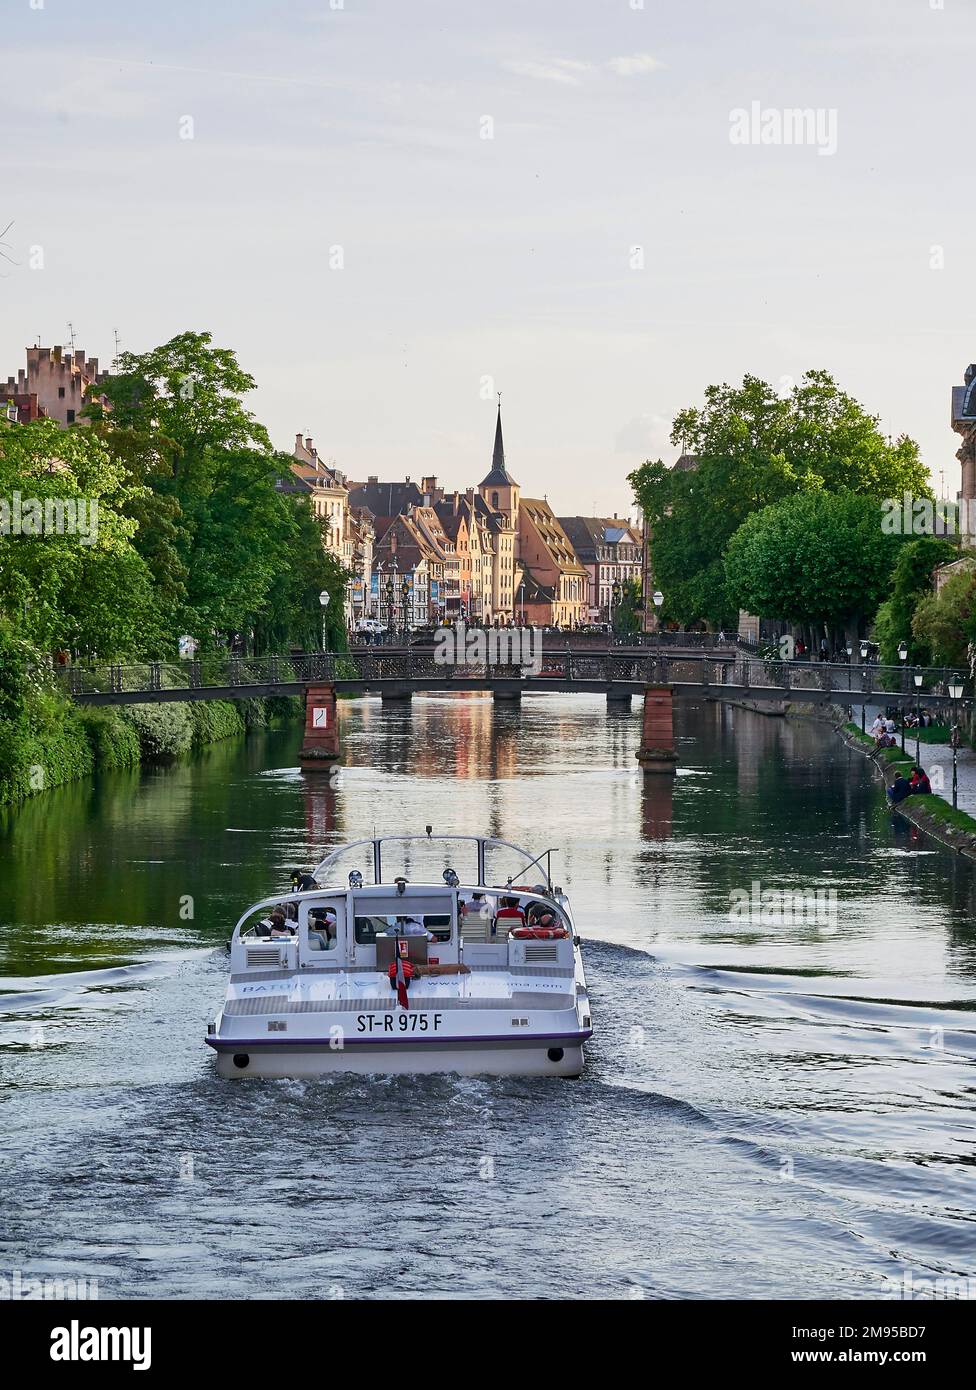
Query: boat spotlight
355, 879
429, 829
401, 884
451, 878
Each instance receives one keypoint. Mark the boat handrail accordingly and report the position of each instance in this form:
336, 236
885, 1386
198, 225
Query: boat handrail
482, 841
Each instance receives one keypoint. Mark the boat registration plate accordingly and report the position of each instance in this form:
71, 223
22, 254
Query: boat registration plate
405, 1022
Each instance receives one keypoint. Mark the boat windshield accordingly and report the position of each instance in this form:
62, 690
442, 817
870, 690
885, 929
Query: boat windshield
433, 926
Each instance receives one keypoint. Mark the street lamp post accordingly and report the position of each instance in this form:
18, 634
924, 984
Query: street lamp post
614, 605
902, 657
955, 691
324, 598
864, 681
405, 593
917, 677
658, 598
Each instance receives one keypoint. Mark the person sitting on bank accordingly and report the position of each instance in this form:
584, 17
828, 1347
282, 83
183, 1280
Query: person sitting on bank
920, 784
877, 728
899, 789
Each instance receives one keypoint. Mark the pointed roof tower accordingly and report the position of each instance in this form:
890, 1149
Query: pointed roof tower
498, 477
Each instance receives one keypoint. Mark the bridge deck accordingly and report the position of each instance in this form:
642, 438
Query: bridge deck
724, 676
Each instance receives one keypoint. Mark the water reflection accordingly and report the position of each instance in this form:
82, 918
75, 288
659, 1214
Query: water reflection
724, 1045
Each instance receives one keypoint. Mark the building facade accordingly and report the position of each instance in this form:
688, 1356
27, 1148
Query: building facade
553, 581
56, 385
963, 419
611, 551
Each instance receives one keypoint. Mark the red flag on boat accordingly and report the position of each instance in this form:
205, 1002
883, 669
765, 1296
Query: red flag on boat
401, 972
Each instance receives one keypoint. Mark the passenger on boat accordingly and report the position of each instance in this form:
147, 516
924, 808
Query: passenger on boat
510, 910
279, 925
302, 881
539, 915
476, 906
409, 926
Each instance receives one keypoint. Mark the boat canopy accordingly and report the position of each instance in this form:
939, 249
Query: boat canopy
482, 842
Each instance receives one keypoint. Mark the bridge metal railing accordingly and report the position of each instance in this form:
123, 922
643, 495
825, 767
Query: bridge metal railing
767, 678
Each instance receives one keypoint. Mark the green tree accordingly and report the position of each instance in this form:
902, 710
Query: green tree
911, 582
183, 400
946, 623
71, 576
816, 558
627, 614
754, 447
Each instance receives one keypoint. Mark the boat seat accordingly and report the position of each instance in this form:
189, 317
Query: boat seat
475, 928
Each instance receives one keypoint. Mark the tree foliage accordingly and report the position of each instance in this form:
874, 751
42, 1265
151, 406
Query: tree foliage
754, 447
946, 623
815, 558
911, 582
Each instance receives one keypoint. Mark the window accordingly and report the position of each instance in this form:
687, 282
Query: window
60, 393
71, 417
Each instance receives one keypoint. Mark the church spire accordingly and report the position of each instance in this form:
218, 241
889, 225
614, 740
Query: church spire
499, 476
498, 454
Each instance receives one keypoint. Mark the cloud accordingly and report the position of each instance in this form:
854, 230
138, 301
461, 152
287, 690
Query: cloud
646, 435
571, 70
568, 70
635, 64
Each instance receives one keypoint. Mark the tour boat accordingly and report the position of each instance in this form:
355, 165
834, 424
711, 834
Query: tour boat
397, 976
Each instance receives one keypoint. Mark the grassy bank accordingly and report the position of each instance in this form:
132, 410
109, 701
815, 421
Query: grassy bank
50, 741
954, 827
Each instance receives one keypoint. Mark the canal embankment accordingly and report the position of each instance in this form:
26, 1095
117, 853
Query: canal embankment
932, 813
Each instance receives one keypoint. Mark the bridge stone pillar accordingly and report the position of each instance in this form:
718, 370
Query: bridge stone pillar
656, 752
507, 692
396, 691
617, 697
320, 747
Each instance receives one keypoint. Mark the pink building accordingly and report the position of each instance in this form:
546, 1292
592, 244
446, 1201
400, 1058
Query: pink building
58, 380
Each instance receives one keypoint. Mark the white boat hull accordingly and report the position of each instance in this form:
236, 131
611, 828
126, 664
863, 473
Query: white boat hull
528, 1058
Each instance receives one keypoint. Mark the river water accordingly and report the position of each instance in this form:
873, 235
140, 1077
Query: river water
777, 1102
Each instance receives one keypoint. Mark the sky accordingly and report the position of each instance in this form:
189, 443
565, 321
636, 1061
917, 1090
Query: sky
392, 211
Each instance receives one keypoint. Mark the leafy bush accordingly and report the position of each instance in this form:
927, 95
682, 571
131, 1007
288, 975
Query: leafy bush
214, 720
164, 731
112, 738
254, 713
45, 748
283, 707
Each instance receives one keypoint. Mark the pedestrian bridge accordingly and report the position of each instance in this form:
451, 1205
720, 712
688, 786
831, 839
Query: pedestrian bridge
723, 673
